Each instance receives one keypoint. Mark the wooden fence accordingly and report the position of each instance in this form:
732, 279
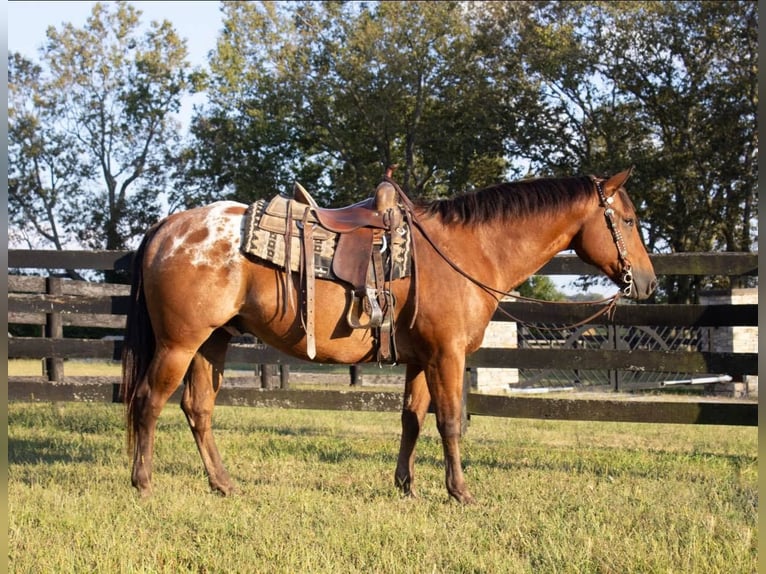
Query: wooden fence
53, 303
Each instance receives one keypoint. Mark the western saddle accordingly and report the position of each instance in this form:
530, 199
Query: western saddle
366, 232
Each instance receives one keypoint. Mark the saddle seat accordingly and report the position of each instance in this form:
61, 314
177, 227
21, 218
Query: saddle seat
370, 212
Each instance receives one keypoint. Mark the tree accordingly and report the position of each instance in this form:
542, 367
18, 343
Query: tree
44, 165
332, 93
540, 287
244, 143
699, 96
92, 131
667, 86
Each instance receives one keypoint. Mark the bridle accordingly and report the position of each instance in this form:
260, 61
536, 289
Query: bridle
619, 242
610, 302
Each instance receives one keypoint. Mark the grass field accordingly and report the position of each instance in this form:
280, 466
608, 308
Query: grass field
95, 368
316, 495
35, 368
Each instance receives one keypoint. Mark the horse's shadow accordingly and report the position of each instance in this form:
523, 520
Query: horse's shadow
601, 463
40, 451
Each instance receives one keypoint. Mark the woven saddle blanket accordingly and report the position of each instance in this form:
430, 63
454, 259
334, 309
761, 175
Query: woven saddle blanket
265, 232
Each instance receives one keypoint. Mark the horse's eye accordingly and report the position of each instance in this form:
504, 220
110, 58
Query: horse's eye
630, 222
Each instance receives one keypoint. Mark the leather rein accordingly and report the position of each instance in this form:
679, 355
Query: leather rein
610, 302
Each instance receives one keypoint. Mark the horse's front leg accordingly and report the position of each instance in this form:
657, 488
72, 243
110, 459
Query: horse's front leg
416, 401
445, 381
203, 381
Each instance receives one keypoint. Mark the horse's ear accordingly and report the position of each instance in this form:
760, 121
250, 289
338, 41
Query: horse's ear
617, 181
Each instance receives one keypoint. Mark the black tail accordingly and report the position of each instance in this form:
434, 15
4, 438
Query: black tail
139, 344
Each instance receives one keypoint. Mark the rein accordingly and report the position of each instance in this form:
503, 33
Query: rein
610, 302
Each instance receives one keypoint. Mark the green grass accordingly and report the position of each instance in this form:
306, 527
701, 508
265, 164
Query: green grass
35, 368
316, 495
98, 368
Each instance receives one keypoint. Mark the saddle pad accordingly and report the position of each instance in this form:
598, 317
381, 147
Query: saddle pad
274, 217
264, 238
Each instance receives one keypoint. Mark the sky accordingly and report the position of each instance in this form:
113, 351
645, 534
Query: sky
196, 22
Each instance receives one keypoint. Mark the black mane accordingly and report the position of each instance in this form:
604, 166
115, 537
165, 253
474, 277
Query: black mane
514, 199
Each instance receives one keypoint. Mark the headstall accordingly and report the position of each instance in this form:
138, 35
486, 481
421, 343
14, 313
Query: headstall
622, 251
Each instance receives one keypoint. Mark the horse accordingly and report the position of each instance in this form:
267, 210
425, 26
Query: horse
193, 288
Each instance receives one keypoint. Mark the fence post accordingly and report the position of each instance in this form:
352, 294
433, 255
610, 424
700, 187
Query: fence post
613, 339
284, 376
469, 376
576, 382
267, 371
498, 335
356, 375
54, 329
742, 339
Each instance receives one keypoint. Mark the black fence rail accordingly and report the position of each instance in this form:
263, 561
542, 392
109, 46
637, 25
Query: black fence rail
54, 303
727, 264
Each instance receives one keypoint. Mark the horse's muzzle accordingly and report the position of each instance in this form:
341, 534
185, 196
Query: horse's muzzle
641, 286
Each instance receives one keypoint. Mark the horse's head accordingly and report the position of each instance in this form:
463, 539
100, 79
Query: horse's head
610, 239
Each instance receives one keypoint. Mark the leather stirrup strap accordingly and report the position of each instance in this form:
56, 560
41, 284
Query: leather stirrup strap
384, 332
308, 269
289, 298
386, 340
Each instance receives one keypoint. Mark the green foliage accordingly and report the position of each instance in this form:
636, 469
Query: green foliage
334, 93
540, 287
44, 166
667, 86
91, 130
317, 495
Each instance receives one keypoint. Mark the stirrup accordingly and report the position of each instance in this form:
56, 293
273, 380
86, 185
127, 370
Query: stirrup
366, 302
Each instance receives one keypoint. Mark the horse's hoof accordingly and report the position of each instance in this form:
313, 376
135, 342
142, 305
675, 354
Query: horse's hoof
404, 485
144, 492
464, 498
225, 490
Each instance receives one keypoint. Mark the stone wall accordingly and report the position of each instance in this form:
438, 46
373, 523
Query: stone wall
734, 339
499, 335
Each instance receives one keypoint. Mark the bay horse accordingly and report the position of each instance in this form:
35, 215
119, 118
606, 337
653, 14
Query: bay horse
192, 288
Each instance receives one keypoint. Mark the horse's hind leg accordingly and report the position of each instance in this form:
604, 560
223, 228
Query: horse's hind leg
203, 381
165, 374
416, 401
